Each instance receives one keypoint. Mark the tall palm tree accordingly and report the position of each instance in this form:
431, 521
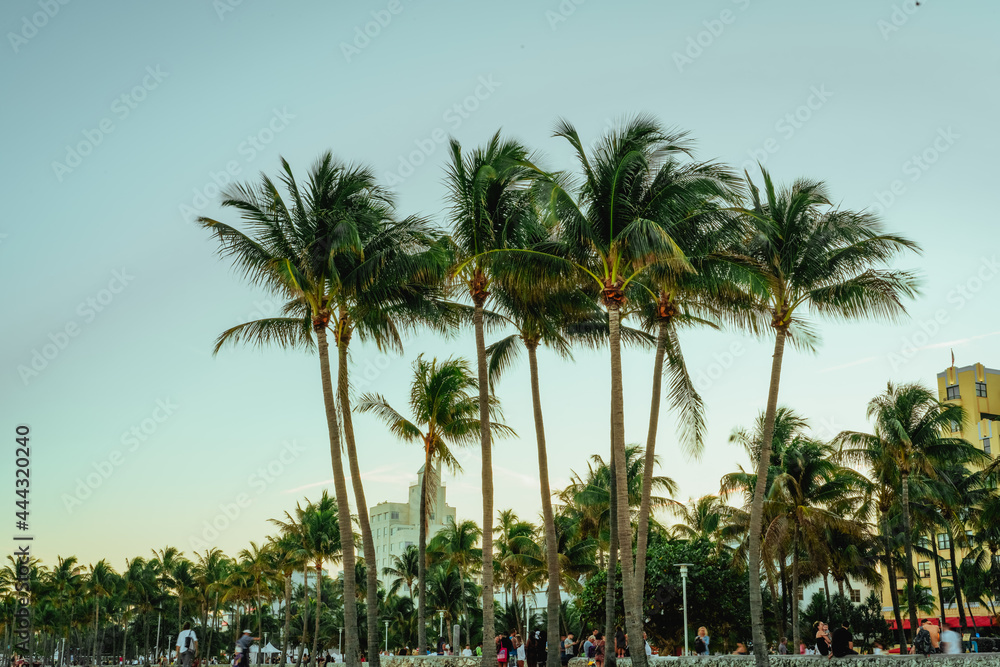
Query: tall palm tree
445, 413
704, 518
801, 252
490, 211
541, 313
912, 431
291, 247
456, 543
613, 228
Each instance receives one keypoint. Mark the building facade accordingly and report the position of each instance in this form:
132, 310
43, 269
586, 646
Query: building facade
977, 389
396, 526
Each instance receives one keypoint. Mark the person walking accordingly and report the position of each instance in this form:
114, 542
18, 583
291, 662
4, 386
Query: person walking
243, 647
599, 648
187, 645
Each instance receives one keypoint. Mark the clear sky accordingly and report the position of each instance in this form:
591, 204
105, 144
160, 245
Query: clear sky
122, 117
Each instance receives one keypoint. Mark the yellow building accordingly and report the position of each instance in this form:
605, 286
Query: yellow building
977, 389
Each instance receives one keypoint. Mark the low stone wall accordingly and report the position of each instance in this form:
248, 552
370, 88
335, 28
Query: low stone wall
975, 659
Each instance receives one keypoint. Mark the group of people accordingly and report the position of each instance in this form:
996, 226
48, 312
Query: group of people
929, 639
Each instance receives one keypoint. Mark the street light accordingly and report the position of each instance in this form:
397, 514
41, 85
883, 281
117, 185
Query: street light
684, 588
387, 636
340, 642
440, 622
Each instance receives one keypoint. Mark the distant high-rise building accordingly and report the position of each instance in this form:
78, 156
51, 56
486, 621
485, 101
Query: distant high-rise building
395, 526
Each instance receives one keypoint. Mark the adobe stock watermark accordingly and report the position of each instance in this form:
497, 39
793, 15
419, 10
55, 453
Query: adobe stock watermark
87, 311
223, 7
122, 107
454, 116
564, 10
258, 481
899, 17
915, 167
700, 42
131, 439
248, 149
30, 25
364, 34
930, 328
787, 125
723, 361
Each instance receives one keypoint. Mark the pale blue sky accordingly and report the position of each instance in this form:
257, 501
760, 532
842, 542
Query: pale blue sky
848, 92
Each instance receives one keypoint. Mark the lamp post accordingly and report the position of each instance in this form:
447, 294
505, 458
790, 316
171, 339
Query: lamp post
684, 589
386, 636
340, 642
440, 621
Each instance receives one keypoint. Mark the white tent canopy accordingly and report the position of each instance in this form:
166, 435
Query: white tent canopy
267, 649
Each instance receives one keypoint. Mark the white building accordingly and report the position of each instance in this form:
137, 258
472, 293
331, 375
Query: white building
395, 526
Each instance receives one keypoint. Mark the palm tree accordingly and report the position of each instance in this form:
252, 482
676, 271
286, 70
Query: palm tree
100, 585
292, 248
321, 540
393, 283
614, 229
444, 407
456, 543
910, 433
705, 518
286, 557
490, 211
801, 252
811, 498
541, 313
405, 569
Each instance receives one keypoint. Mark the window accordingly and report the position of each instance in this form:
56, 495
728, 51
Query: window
981, 389
955, 427
986, 446
953, 393
432, 516
946, 568
393, 515
801, 596
924, 542
943, 541
924, 569
855, 595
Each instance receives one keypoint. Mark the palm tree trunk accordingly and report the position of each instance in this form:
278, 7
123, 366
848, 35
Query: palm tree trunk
890, 568
940, 584
97, 623
609, 590
367, 542
348, 602
647, 473
288, 619
794, 596
489, 625
829, 600
343, 505
843, 601
551, 547
911, 596
305, 613
956, 583
757, 508
784, 615
632, 597
422, 558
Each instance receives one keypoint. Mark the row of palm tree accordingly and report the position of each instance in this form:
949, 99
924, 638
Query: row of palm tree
640, 230
833, 510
